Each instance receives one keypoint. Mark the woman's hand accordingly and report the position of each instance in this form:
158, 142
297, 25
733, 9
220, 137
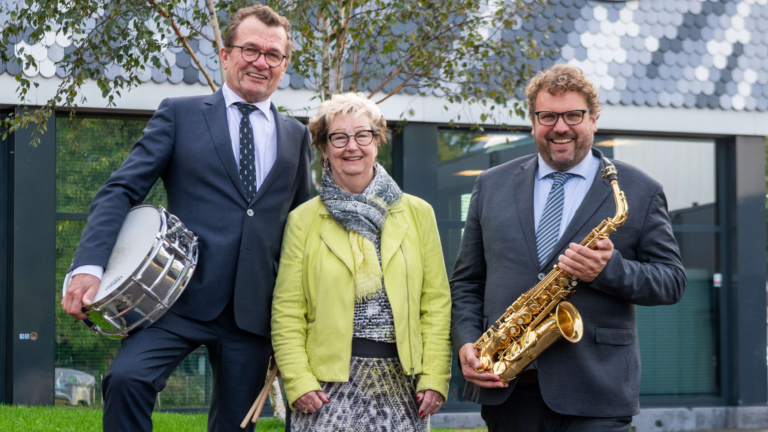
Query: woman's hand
311, 401
431, 402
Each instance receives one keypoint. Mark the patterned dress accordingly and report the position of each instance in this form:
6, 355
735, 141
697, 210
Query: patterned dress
378, 396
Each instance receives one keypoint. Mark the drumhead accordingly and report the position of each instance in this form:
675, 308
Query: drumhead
134, 243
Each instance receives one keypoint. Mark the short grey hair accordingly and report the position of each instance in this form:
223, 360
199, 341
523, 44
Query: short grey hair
267, 16
341, 105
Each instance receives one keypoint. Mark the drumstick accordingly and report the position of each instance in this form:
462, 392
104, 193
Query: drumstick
255, 405
262, 397
265, 391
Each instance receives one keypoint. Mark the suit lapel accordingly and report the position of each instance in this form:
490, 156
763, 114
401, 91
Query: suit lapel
524, 202
215, 113
337, 240
285, 149
391, 237
596, 194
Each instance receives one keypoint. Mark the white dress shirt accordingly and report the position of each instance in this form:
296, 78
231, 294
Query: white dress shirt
575, 189
265, 147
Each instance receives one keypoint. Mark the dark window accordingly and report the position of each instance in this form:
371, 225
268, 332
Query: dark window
83, 164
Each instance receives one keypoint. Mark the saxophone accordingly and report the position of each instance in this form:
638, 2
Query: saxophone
540, 316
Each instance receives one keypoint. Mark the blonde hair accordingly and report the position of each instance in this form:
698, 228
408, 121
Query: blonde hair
341, 105
559, 79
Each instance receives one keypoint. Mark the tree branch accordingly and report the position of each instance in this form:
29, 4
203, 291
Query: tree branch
216, 33
385, 82
395, 90
183, 40
370, 50
197, 30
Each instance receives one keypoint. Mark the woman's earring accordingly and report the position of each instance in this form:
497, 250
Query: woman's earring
326, 165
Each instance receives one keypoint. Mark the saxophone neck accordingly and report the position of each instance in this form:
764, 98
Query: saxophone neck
610, 173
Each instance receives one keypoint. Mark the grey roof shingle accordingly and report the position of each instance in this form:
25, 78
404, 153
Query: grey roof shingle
692, 53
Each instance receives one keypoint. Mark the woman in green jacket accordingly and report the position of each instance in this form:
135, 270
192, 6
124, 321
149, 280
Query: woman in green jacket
361, 308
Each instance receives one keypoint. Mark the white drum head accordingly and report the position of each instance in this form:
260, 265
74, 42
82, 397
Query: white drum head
134, 243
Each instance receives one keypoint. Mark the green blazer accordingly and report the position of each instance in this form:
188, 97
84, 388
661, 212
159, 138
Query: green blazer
313, 303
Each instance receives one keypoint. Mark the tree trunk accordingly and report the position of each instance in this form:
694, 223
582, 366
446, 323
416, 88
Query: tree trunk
217, 34
276, 398
325, 78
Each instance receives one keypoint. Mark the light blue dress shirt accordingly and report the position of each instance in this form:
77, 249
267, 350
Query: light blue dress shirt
575, 189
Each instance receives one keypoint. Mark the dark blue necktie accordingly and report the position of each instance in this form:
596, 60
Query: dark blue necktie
247, 153
549, 225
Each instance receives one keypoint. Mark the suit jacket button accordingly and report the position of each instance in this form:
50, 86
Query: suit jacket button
542, 276
249, 212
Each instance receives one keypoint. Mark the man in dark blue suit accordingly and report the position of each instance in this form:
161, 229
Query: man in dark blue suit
531, 213
233, 167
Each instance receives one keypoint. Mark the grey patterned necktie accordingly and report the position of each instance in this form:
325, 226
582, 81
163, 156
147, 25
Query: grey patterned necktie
549, 225
247, 153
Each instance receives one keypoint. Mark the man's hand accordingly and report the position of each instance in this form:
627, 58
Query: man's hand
469, 362
584, 263
311, 401
80, 292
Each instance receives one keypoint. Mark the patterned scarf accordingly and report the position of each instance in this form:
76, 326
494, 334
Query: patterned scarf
363, 216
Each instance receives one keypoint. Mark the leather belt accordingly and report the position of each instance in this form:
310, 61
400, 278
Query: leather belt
372, 349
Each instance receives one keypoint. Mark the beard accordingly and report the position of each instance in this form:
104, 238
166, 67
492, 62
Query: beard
563, 161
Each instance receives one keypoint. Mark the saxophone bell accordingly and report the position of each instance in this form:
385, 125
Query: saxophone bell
565, 322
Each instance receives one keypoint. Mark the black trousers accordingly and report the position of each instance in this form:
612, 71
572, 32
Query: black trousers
146, 359
525, 411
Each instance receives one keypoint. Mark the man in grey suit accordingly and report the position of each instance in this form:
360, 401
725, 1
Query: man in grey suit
531, 213
233, 167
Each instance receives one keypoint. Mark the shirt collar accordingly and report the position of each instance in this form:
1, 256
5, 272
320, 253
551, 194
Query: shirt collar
230, 98
582, 169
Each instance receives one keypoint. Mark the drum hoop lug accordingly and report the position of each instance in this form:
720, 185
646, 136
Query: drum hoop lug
173, 259
149, 258
148, 291
164, 219
177, 283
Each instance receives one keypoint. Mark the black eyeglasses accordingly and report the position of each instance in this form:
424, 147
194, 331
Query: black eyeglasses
571, 118
251, 54
362, 138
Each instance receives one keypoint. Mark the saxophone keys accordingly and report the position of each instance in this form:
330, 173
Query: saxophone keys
563, 282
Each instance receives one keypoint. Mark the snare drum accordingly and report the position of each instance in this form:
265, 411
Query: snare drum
152, 261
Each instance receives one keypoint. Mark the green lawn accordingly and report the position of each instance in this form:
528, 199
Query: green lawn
59, 419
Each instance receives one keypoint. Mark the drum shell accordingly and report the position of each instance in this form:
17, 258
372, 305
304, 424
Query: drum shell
153, 288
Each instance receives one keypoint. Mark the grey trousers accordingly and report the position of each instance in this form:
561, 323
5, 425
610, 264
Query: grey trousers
525, 411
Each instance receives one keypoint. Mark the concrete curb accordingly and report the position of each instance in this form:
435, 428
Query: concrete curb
703, 418
652, 419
